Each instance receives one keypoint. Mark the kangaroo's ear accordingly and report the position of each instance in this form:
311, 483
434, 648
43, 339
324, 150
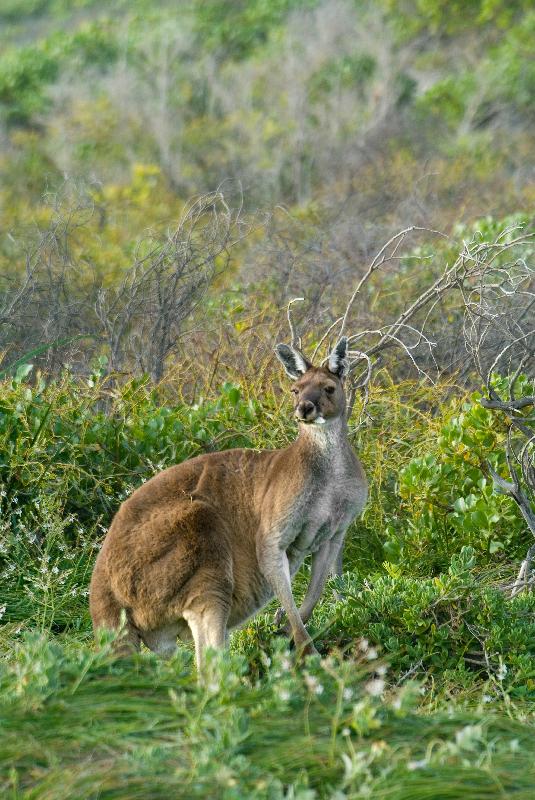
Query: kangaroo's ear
338, 362
294, 362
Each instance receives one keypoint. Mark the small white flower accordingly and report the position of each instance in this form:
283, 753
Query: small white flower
372, 654
363, 645
2, 611
313, 684
468, 738
412, 765
381, 670
284, 695
347, 693
375, 687
346, 732
502, 671
487, 698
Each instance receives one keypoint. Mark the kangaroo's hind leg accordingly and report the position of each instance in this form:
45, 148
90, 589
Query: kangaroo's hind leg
208, 628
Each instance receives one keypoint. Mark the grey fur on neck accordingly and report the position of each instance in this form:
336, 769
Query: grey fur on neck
328, 437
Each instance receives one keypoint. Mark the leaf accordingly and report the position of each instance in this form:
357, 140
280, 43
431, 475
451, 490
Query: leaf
234, 395
22, 372
460, 505
479, 518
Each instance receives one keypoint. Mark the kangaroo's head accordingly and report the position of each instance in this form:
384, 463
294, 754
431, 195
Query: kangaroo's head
318, 392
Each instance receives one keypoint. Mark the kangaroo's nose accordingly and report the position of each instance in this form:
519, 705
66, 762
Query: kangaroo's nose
305, 410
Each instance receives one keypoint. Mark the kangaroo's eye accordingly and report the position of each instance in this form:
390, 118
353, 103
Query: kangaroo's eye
329, 389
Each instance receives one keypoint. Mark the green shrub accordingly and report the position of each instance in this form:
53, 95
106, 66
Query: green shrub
238, 29
82, 440
453, 624
27, 72
71, 451
448, 499
23, 76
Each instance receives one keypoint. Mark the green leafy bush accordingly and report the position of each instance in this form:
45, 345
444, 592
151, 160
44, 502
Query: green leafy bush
237, 29
455, 624
26, 73
448, 499
80, 439
23, 76
71, 451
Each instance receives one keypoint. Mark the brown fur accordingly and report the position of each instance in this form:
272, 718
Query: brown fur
203, 544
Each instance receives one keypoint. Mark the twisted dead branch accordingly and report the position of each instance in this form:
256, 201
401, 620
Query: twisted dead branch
400, 333
42, 305
144, 317
499, 332
496, 289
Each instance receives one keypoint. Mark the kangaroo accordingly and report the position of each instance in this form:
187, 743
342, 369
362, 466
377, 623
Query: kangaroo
205, 544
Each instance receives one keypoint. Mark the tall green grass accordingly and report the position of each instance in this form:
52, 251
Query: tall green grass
77, 724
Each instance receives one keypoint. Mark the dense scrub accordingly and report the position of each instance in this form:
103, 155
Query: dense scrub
77, 723
74, 448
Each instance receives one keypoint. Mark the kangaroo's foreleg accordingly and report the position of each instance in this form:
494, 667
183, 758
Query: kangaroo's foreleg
322, 564
337, 567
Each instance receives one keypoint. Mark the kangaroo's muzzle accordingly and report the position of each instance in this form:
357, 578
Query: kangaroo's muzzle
307, 411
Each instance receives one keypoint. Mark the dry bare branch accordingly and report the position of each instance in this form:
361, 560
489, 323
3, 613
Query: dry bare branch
499, 333
295, 339
144, 317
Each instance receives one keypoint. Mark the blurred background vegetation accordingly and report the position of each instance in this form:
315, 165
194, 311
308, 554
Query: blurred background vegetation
171, 174
330, 125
